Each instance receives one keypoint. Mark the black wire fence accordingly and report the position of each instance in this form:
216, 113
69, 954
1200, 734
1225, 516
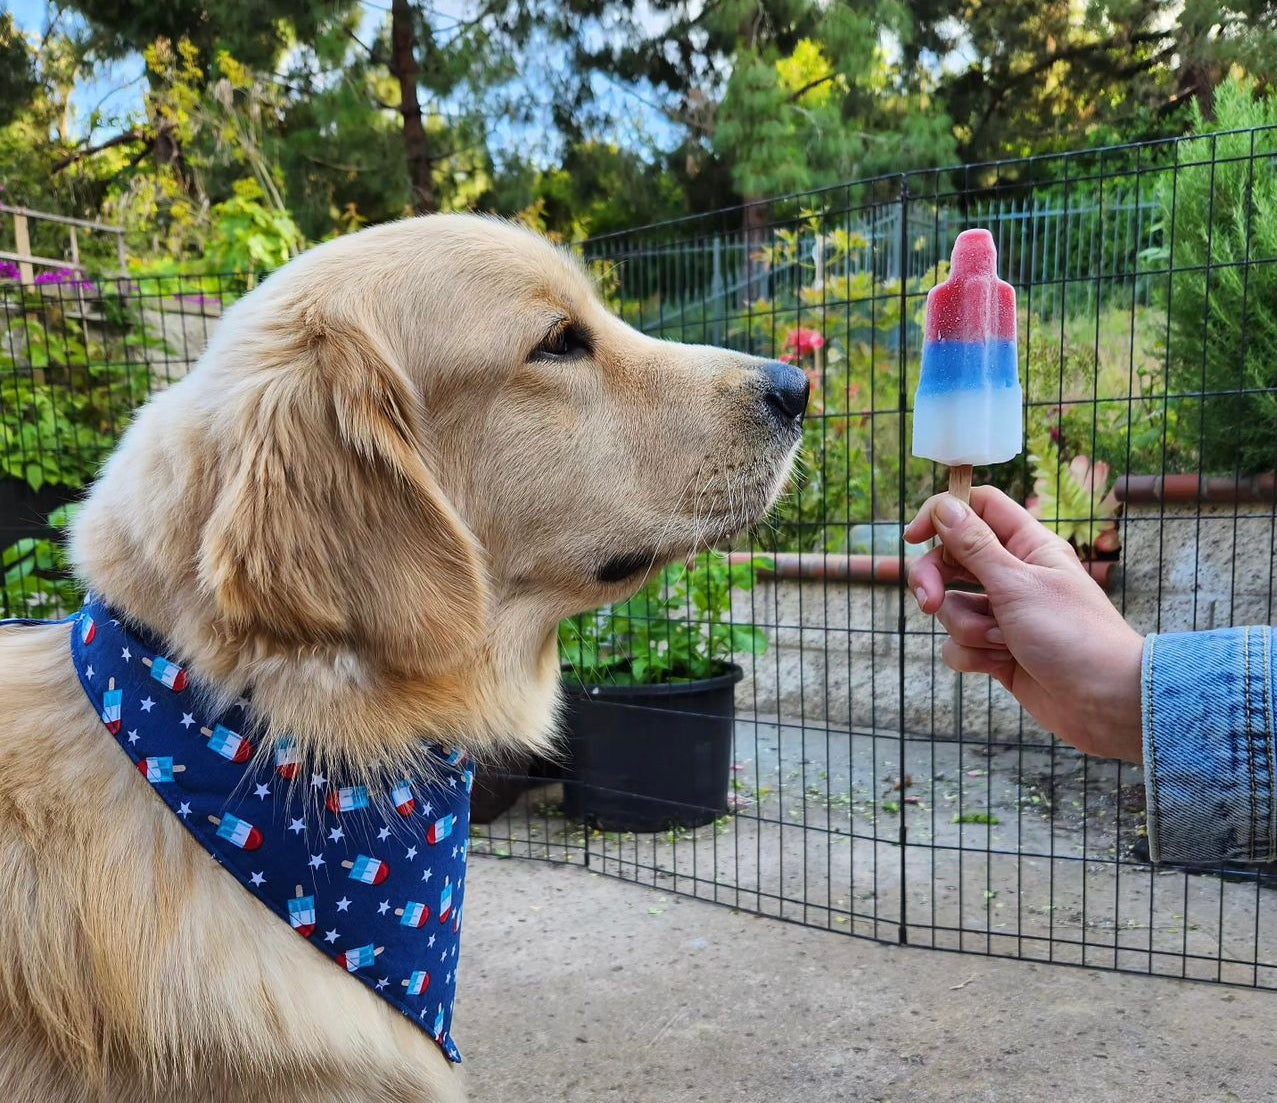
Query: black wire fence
773, 728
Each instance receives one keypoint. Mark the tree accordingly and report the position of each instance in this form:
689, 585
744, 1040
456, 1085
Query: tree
403, 64
1051, 74
18, 84
784, 95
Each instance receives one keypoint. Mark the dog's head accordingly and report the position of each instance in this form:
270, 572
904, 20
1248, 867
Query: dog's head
413, 451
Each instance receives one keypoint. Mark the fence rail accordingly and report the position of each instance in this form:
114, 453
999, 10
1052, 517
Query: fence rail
870, 791
27, 261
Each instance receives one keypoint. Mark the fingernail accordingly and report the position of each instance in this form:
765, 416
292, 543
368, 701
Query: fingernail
921, 595
950, 510
994, 635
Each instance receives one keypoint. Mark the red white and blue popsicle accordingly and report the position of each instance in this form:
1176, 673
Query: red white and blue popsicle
349, 798
301, 913
413, 914
287, 758
366, 870
230, 745
969, 408
402, 796
358, 957
441, 829
445, 900
158, 768
112, 699
239, 832
417, 983
167, 673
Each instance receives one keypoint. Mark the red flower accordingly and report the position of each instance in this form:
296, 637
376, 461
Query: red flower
804, 341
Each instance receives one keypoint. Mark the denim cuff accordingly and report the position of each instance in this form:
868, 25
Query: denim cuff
1208, 746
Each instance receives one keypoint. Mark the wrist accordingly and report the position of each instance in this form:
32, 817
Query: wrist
1117, 707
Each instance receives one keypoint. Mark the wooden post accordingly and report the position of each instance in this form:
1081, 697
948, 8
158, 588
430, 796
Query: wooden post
26, 272
119, 252
75, 249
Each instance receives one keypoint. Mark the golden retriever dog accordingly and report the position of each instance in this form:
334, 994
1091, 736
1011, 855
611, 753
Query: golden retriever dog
401, 461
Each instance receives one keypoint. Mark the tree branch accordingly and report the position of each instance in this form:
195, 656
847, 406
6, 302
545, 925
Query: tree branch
370, 51
81, 154
333, 165
148, 144
1084, 49
796, 96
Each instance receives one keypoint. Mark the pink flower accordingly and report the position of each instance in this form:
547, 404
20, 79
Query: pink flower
804, 341
786, 358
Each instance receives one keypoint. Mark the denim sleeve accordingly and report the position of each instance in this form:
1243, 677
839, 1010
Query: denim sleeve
1208, 746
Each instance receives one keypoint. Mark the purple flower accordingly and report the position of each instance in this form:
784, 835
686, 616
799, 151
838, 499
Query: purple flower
68, 276
8, 271
200, 300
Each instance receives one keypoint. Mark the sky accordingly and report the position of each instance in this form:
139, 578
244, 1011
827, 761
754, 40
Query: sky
114, 91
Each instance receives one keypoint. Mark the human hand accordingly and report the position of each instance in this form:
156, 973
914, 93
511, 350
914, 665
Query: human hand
1042, 627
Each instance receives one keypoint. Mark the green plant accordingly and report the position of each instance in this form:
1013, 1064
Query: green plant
842, 325
678, 628
68, 384
1074, 499
250, 235
37, 575
1219, 216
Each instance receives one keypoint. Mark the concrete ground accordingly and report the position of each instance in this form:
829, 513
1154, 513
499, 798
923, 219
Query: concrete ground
578, 987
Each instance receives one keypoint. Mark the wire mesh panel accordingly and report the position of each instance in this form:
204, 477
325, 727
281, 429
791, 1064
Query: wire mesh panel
77, 356
874, 791
857, 784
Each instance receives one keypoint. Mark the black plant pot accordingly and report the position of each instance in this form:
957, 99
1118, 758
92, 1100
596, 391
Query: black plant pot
24, 512
498, 786
646, 758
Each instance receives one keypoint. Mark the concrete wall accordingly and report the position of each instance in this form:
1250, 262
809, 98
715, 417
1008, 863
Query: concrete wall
1197, 566
834, 656
185, 328
835, 659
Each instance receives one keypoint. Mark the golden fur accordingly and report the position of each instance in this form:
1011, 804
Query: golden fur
371, 502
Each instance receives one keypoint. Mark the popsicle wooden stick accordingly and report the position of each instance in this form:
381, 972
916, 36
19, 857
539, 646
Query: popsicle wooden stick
960, 488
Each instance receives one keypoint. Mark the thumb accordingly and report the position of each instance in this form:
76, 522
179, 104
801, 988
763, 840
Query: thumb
971, 544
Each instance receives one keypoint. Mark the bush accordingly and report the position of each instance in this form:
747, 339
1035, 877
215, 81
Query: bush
677, 628
1220, 222
36, 578
67, 384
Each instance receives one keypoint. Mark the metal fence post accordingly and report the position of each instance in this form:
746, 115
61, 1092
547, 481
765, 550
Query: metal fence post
903, 490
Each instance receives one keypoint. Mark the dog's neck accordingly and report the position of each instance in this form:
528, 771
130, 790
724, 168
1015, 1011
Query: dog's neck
138, 552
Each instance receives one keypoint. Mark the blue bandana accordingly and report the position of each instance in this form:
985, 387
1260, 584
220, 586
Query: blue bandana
374, 880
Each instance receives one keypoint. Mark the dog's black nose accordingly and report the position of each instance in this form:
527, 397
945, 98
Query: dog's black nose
787, 389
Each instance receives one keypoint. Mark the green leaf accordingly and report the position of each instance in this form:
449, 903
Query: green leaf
21, 570
17, 550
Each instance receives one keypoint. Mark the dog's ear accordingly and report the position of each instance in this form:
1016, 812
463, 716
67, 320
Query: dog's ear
329, 527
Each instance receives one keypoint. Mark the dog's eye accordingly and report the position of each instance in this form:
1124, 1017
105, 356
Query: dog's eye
561, 343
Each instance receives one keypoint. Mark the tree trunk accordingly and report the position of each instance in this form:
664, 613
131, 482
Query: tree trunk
403, 64
1199, 79
167, 150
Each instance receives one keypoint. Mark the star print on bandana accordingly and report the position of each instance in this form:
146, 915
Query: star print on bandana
342, 864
